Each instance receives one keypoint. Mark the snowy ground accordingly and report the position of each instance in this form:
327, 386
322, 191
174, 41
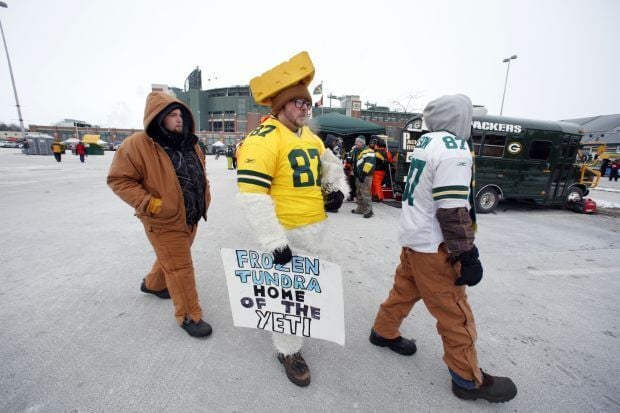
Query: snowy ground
607, 195
76, 334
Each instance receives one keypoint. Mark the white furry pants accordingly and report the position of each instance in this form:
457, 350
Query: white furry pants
305, 240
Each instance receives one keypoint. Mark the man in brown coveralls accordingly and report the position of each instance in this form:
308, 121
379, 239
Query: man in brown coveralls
161, 173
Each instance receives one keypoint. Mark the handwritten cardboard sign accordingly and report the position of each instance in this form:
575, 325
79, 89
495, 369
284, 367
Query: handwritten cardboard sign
302, 297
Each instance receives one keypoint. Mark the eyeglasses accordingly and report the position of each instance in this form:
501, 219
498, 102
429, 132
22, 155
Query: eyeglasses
300, 104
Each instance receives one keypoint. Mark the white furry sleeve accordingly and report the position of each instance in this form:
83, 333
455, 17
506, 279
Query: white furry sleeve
332, 174
260, 213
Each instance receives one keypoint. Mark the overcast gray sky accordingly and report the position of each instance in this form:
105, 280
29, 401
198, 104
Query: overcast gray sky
96, 60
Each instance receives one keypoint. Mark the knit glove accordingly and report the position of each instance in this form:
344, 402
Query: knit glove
471, 268
282, 255
154, 206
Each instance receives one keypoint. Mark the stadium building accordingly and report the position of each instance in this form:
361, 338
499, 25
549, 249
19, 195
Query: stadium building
228, 113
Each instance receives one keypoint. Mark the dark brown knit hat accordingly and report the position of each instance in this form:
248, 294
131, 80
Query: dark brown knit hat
298, 91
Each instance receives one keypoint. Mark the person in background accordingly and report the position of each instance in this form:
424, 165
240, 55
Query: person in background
161, 173
80, 150
438, 256
604, 166
230, 150
235, 152
57, 150
363, 164
348, 171
334, 144
383, 162
333, 198
613, 174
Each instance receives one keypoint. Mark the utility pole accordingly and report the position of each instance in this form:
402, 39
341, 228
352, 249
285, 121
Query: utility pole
19, 110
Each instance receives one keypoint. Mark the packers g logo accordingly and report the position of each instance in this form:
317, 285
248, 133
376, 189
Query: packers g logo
514, 147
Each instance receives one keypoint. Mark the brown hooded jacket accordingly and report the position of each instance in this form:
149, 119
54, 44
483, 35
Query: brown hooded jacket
142, 170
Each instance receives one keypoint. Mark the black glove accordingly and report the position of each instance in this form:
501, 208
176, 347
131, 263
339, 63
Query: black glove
282, 255
471, 268
361, 178
333, 201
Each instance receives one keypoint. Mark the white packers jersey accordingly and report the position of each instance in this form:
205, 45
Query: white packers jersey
439, 177
273, 160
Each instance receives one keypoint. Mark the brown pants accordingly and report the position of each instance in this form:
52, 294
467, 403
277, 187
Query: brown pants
174, 269
430, 277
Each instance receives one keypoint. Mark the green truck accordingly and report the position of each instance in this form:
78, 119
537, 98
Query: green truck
514, 159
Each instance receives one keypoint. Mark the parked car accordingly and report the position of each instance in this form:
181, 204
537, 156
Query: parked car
9, 144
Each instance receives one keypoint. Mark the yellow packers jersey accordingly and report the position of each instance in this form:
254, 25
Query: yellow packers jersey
275, 161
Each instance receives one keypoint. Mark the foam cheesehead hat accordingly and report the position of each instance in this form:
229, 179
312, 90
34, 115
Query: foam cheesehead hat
284, 82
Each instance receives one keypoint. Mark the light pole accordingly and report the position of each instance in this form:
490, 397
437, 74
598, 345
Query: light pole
19, 110
508, 59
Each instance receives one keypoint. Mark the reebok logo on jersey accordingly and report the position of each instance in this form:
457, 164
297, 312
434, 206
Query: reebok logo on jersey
250, 160
461, 164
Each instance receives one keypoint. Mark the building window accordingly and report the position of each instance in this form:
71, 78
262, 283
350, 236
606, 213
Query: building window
216, 125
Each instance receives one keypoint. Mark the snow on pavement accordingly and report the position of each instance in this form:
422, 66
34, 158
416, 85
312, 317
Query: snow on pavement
76, 334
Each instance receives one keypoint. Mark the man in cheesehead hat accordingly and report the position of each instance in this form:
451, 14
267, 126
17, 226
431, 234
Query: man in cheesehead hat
283, 170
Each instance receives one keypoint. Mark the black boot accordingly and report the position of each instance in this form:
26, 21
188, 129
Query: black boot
161, 294
494, 389
399, 345
197, 328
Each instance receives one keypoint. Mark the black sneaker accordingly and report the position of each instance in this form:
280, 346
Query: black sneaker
368, 214
296, 368
398, 345
197, 328
493, 389
161, 294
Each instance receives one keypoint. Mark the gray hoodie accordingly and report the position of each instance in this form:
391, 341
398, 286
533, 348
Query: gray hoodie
449, 113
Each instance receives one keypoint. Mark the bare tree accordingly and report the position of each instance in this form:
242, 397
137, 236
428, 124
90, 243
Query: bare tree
412, 104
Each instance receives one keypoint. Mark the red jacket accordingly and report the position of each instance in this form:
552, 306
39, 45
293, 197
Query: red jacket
80, 149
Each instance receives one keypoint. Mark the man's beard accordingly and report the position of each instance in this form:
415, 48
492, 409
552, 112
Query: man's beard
178, 131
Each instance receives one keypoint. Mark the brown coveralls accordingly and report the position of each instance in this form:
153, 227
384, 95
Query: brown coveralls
430, 277
142, 170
